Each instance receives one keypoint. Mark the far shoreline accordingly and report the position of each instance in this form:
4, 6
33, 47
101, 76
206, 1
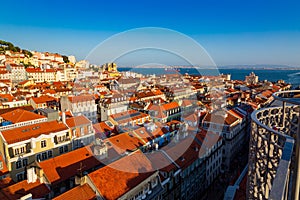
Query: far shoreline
210, 68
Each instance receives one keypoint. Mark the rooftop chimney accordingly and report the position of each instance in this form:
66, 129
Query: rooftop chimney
63, 117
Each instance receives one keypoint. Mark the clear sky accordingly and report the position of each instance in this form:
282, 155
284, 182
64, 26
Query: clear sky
232, 31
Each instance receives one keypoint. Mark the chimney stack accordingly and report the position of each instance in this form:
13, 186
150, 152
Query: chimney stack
63, 117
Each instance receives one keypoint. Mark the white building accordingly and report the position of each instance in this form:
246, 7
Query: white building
72, 59
18, 72
251, 78
39, 75
117, 103
82, 64
80, 105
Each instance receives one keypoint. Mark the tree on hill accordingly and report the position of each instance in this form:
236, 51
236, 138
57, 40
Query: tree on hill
66, 59
8, 46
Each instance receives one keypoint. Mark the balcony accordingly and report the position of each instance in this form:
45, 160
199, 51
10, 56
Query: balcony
273, 168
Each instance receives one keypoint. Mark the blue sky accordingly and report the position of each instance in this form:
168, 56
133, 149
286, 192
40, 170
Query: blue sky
232, 31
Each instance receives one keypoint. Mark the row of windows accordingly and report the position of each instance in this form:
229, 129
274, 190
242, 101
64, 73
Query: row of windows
44, 156
40, 157
63, 149
21, 163
19, 151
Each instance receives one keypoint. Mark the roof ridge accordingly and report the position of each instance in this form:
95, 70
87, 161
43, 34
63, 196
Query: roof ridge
165, 153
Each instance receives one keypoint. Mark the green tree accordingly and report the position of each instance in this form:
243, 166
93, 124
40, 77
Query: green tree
66, 59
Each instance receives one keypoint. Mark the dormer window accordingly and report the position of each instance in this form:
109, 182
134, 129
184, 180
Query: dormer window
43, 143
19, 150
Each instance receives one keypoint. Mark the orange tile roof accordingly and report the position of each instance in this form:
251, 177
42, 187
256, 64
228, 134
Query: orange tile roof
32, 131
127, 116
77, 121
20, 189
186, 103
9, 97
49, 91
20, 115
102, 127
68, 113
236, 113
159, 109
158, 92
112, 182
192, 117
183, 153
23, 82
39, 70
125, 142
81, 98
4, 72
220, 118
67, 165
267, 93
147, 136
43, 99
171, 105
81, 192
208, 138
5, 110
161, 162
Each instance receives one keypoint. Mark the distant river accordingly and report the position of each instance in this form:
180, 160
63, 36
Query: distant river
290, 76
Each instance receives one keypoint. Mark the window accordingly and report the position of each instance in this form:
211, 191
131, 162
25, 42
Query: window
50, 154
61, 138
74, 132
20, 150
61, 150
16, 151
20, 177
18, 164
66, 148
38, 157
44, 156
25, 162
43, 143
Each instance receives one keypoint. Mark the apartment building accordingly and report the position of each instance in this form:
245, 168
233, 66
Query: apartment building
164, 112
41, 75
80, 105
114, 104
129, 118
27, 144
18, 72
44, 101
81, 129
231, 125
18, 118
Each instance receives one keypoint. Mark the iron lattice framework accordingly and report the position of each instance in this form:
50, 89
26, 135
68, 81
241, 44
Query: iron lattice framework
273, 134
